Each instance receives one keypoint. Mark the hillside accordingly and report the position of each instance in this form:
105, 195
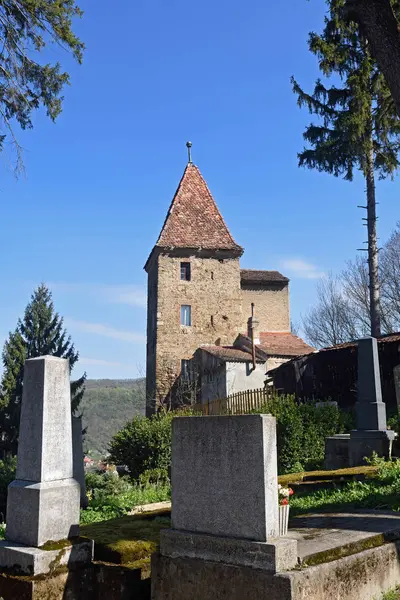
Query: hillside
106, 406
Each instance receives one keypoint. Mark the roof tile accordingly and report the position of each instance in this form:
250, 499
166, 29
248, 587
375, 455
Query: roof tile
249, 276
283, 344
193, 219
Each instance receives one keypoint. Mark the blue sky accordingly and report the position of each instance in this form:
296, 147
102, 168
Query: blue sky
98, 183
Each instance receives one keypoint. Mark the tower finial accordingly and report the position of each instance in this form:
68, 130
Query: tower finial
189, 147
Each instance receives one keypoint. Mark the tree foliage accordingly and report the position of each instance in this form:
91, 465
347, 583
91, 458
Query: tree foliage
357, 128
341, 313
144, 444
379, 23
40, 332
26, 29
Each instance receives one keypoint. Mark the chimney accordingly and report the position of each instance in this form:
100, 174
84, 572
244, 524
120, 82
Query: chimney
253, 333
253, 327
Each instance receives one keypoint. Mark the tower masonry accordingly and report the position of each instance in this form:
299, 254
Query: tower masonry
198, 296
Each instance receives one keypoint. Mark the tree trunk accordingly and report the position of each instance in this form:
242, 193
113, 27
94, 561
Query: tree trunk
379, 25
374, 292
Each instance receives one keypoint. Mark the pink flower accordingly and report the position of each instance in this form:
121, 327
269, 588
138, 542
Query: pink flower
284, 502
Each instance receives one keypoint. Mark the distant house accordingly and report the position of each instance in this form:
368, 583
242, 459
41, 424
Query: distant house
200, 298
226, 370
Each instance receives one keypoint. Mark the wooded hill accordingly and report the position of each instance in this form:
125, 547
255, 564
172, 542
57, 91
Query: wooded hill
106, 406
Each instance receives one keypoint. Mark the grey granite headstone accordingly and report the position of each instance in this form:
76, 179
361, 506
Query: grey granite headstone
43, 502
370, 409
371, 434
77, 458
396, 377
225, 492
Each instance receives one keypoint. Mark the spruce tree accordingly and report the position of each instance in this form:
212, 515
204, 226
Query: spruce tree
40, 332
358, 127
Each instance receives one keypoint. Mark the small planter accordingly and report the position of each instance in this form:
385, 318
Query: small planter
283, 519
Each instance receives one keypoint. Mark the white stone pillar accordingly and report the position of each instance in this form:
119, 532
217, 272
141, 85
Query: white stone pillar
43, 501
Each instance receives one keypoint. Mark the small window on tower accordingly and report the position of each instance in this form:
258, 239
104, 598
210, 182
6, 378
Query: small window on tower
186, 315
185, 271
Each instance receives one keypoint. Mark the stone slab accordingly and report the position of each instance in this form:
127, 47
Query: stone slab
45, 448
337, 452
24, 560
322, 533
363, 576
40, 512
364, 443
77, 458
224, 476
273, 556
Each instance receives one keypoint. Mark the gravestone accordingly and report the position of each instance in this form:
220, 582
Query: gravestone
225, 493
371, 434
78, 468
43, 502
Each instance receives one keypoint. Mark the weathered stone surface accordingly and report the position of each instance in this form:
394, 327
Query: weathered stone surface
77, 458
36, 561
45, 448
274, 556
39, 512
94, 582
364, 443
224, 476
362, 576
43, 502
193, 579
337, 451
370, 410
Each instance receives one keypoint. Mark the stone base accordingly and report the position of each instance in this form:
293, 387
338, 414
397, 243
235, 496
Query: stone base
95, 582
337, 452
23, 560
274, 556
41, 512
364, 443
363, 576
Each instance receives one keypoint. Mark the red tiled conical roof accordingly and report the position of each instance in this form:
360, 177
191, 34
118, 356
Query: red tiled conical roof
193, 219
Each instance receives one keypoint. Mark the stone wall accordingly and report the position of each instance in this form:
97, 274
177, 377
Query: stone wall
271, 306
215, 299
151, 336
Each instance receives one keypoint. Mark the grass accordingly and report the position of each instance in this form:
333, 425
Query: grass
380, 491
111, 497
392, 595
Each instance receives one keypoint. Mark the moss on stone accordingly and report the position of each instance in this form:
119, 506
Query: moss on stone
342, 551
61, 544
129, 540
351, 471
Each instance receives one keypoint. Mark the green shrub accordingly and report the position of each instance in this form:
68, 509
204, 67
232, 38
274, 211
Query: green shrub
111, 496
301, 432
143, 444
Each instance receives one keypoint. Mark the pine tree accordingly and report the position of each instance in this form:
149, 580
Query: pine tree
40, 332
27, 83
358, 127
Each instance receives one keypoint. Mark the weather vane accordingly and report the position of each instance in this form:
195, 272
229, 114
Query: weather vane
189, 147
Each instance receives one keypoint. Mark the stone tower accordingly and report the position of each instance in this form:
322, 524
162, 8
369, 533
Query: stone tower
194, 293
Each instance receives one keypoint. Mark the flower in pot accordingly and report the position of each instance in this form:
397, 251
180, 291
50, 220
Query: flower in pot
284, 494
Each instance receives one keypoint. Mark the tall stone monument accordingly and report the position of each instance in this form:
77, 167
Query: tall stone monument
371, 434
43, 502
225, 495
